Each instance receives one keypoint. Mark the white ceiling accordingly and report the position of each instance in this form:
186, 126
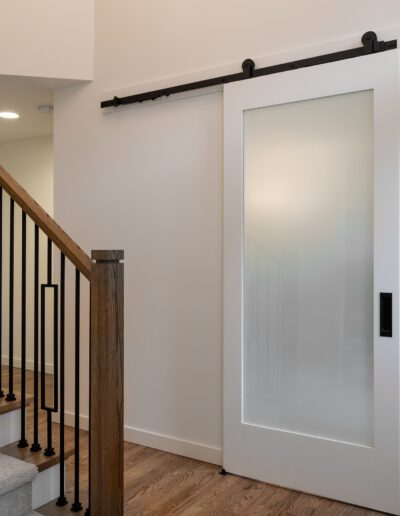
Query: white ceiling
23, 95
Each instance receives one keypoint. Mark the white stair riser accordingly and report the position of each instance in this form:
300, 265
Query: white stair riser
46, 486
10, 427
16, 501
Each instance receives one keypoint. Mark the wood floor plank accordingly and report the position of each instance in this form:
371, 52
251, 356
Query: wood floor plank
179, 486
223, 499
157, 483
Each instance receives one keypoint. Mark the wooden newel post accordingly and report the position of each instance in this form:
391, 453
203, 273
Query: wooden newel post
106, 383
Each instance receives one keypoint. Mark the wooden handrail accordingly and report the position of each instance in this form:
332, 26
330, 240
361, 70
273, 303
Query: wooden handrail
47, 224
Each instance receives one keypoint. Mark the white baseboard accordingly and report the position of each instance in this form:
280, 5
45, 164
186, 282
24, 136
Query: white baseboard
162, 442
175, 445
29, 364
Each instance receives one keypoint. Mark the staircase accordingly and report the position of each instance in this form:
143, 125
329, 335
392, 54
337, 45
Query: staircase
38, 315
27, 480
16, 476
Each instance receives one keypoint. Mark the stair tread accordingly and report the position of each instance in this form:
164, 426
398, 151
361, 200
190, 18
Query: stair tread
52, 509
9, 406
37, 458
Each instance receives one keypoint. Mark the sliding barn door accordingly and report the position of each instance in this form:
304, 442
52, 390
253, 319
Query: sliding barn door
311, 280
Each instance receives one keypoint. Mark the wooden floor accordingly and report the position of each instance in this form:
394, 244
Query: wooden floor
158, 483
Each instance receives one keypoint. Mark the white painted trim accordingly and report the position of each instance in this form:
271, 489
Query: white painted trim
10, 427
29, 364
46, 486
167, 443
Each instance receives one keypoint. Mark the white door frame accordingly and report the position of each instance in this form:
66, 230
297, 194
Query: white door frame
367, 476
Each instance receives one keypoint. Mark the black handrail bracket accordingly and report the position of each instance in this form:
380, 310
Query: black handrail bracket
370, 45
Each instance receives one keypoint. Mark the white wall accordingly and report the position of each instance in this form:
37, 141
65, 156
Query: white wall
47, 38
148, 179
31, 164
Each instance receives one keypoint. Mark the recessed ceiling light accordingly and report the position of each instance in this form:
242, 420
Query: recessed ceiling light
8, 114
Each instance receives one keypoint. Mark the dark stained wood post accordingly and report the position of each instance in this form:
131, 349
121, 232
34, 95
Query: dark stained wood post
106, 383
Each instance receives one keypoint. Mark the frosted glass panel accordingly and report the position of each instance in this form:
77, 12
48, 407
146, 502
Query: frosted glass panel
308, 267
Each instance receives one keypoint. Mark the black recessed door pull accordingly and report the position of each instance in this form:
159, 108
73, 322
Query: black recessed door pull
385, 314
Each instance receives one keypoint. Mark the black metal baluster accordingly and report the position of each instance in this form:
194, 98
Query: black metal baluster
49, 262
23, 443
1, 294
77, 506
87, 512
62, 499
11, 396
36, 445
49, 449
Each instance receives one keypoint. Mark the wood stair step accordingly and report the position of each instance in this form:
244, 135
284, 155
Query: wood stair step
37, 458
10, 406
52, 509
